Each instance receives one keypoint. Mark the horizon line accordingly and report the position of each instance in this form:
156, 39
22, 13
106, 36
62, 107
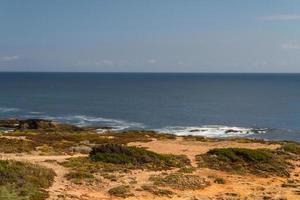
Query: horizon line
136, 72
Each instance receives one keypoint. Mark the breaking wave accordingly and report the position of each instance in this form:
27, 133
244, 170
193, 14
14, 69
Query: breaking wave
7, 109
84, 120
211, 131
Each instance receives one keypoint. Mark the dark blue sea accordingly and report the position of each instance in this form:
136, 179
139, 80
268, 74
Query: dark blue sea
216, 105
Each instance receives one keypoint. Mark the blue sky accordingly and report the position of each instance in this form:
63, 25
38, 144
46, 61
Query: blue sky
150, 35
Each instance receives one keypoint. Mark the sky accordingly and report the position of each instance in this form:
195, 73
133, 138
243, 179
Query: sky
150, 36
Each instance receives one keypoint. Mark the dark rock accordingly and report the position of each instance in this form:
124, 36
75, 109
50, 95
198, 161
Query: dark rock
9, 123
36, 124
231, 131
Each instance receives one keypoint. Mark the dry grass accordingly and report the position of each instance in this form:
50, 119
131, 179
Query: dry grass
180, 181
24, 180
120, 191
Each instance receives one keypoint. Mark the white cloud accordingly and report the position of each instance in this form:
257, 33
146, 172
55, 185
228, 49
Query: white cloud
9, 58
290, 46
279, 17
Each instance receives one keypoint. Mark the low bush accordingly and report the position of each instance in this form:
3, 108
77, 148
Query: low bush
219, 180
241, 160
24, 180
16, 145
134, 156
157, 191
120, 191
78, 176
291, 147
187, 170
180, 181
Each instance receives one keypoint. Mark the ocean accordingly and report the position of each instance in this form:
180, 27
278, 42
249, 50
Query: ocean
214, 105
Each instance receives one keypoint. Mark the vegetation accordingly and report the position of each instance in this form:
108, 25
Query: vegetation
20, 181
87, 165
291, 147
78, 176
235, 139
111, 177
120, 191
180, 181
137, 157
60, 141
157, 191
219, 180
241, 160
187, 170
126, 137
16, 145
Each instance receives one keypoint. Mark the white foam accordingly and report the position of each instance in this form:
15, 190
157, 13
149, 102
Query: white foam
84, 120
6, 109
211, 131
35, 113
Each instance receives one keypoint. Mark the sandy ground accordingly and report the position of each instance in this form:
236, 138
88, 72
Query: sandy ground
236, 186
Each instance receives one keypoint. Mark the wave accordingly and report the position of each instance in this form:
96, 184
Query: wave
105, 124
84, 120
35, 113
7, 109
211, 131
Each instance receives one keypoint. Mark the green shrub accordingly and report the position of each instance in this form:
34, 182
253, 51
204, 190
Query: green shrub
291, 148
180, 181
134, 156
16, 145
78, 176
241, 160
87, 165
157, 191
24, 180
120, 191
187, 170
219, 180
9, 193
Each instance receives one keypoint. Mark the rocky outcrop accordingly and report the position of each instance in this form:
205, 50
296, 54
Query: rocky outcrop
9, 123
36, 124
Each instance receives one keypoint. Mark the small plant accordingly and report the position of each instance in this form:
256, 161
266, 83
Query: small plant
157, 191
78, 176
291, 148
110, 177
120, 191
219, 180
187, 170
180, 181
